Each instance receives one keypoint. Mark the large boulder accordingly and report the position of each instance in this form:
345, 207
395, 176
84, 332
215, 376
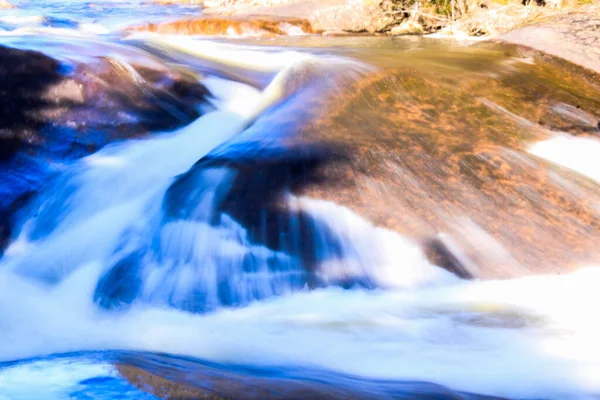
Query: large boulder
435, 153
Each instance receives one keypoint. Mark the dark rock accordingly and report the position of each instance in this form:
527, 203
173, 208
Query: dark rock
445, 255
54, 111
121, 284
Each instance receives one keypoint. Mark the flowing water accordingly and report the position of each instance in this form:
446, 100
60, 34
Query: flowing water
311, 233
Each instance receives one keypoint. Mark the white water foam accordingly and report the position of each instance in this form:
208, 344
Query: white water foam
523, 338
389, 259
531, 337
48, 380
577, 153
64, 379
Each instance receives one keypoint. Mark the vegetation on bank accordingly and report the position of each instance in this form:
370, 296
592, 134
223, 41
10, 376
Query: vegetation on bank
405, 17
475, 17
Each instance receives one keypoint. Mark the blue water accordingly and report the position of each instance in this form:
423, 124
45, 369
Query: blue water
137, 258
111, 15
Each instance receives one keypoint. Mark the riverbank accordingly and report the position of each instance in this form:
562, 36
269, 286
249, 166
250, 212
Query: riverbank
401, 17
564, 29
574, 37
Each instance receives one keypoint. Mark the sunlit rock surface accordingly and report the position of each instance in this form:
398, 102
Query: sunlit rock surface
447, 154
573, 36
443, 150
231, 26
324, 16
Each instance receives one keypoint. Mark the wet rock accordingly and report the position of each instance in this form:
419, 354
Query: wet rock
53, 111
427, 155
121, 284
424, 164
186, 378
442, 252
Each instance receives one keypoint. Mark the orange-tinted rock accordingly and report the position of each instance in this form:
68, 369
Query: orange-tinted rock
169, 2
177, 378
228, 27
574, 37
437, 144
328, 15
430, 155
4, 4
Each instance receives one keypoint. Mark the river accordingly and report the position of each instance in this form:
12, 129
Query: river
342, 217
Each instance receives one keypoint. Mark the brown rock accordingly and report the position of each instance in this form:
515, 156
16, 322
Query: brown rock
433, 148
330, 15
224, 26
176, 378
574, 37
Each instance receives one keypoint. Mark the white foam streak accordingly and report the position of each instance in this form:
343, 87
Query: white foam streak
234, 97
247, 58
388, 258
577, 153
515, 338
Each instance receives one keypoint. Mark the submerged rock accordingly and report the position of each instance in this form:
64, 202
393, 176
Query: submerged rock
185, 378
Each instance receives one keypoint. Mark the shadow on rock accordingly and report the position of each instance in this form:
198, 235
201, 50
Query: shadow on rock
54, 111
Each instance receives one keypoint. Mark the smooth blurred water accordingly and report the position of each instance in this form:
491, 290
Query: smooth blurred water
129, 250
90, 16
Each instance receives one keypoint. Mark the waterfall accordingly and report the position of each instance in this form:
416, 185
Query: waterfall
196, 243
152, 213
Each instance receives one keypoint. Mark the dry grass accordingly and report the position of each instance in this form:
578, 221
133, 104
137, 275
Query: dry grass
244, 3
477, 17
444, 17
504, 18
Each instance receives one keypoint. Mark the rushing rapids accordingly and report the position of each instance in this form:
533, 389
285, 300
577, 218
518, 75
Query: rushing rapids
297, 218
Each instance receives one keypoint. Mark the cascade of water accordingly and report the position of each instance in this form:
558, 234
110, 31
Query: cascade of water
167, 241
151, 224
